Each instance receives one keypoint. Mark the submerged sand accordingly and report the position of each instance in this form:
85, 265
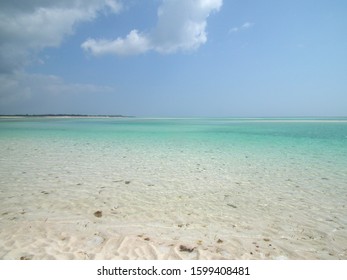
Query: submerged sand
93, 201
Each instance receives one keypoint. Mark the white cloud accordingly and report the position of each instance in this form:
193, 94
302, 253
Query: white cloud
29, 26
134, 43
247, 25
181, 26
244, 26
115, 6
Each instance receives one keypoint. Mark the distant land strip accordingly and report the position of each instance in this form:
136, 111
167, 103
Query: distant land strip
67, 115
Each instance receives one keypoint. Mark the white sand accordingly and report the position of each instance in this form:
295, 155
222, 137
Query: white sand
160, 207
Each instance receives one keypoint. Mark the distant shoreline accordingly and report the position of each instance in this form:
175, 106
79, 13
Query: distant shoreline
62, 116
243, 119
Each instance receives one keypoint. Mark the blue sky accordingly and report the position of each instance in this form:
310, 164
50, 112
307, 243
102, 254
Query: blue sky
174, 58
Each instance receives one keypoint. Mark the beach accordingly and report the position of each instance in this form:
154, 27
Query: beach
102, 188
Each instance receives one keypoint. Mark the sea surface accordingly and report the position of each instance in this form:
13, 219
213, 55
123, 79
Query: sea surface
234, 188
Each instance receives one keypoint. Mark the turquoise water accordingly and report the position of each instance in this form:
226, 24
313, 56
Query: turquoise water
290, 172
329, 132
285, 147
321, 141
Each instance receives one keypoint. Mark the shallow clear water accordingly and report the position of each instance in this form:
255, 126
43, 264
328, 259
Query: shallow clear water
301, 143
238, 179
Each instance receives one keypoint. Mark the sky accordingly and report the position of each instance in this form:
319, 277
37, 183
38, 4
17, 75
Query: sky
174, 58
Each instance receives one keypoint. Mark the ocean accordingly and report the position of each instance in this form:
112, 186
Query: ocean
194, 188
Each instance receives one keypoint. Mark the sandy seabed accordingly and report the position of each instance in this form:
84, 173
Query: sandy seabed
92, 202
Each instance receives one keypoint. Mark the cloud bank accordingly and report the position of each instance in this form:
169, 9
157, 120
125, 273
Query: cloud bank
181, 26
27, 27
24, 93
